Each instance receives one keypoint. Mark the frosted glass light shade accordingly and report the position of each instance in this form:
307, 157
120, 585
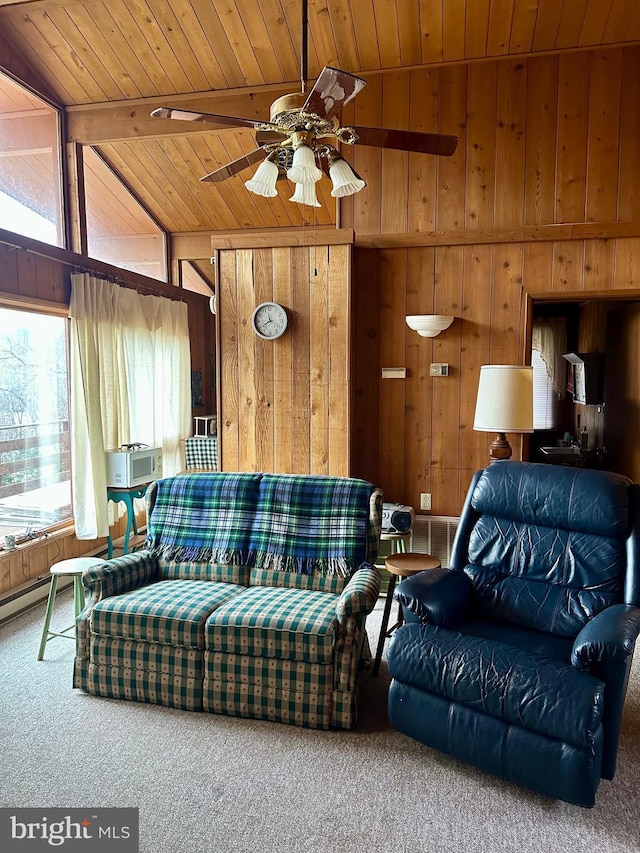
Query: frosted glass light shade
264, 181
505, 399
303, 168
305, 194
429, 325
344, 181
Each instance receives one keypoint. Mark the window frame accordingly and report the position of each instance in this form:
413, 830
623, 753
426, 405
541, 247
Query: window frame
32, 306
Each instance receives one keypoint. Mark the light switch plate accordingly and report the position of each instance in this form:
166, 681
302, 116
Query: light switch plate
438, 369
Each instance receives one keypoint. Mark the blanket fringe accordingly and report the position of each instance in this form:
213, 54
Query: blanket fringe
186, 554
302, 565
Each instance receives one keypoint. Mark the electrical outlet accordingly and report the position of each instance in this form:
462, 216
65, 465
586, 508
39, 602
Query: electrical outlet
425, 500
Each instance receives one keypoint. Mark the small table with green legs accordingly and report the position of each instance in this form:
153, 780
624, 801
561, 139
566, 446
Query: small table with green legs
66, 568
127, 496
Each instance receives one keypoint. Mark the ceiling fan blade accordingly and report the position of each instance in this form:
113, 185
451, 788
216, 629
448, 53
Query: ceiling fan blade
235, 166
268, 137
211, 118
331, 91
407, 140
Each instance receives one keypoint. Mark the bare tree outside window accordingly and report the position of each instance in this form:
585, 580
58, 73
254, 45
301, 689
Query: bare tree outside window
34, 422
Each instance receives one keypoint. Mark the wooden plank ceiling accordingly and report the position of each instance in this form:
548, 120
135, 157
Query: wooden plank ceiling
111, 61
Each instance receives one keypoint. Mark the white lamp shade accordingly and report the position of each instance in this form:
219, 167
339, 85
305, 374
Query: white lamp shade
264, 181
303, 168
429, 325
344, 181
305, 194
505, 399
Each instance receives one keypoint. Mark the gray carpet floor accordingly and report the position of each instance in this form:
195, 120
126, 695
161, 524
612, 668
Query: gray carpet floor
217, 784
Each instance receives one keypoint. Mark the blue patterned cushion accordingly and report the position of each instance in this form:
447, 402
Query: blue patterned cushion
172, 612
292, 624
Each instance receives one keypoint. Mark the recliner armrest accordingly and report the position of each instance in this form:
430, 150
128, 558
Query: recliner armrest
360, 594
609, 636
120, 575
436, 596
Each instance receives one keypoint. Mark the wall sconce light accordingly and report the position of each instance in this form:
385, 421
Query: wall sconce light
429, 325
504, 404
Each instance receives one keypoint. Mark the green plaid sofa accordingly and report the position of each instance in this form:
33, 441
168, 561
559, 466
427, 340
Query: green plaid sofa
249, 599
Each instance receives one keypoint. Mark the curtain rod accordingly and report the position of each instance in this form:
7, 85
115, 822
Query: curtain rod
180, 295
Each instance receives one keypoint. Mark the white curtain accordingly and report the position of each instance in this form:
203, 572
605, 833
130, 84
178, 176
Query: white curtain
130, 382
549, 338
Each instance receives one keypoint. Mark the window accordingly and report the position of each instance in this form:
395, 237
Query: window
30, 174
34, 423
549, 341
119, 230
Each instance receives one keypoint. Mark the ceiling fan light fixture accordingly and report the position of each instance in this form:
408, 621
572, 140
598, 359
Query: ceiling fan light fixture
264, 181
345, 181
303, 167
306, 194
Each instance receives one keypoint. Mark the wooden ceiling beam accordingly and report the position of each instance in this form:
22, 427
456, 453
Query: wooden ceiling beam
118, 121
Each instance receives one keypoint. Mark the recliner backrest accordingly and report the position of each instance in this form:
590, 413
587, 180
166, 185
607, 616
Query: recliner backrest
547, 545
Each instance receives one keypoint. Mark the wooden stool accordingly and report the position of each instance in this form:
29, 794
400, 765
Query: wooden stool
399, 565
66, 568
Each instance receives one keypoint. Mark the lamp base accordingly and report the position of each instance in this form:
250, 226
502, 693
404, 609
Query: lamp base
499, 448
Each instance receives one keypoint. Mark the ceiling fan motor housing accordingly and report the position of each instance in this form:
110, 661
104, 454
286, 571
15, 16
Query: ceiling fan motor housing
287, 104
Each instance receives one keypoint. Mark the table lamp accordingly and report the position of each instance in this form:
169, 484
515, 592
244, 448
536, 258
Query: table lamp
504, 404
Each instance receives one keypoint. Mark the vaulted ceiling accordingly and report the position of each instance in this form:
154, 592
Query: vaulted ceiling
110, 62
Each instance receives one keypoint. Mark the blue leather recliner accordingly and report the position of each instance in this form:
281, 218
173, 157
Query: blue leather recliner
516, 659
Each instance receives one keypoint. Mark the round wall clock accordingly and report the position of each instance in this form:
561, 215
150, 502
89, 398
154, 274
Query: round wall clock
269, 320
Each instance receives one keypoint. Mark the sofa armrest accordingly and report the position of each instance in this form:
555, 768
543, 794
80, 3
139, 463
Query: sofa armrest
360, 594
611, 635
120, 575
437, 596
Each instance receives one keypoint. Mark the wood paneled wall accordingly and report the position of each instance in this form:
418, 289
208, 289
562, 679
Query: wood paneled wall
31, 280
544, 140
426, 441
285, 404
540, 200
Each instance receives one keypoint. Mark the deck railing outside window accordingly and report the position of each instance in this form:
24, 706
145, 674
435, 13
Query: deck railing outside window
35, 476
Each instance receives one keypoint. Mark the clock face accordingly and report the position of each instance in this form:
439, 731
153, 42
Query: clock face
269, 320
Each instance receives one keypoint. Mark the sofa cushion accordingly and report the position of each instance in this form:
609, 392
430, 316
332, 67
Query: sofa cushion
202, 571
519, 687
292, 624
294, 580
172, 612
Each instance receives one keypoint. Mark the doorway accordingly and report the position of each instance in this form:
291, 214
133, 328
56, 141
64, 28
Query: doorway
603, 336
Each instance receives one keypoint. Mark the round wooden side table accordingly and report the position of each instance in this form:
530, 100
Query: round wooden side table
400, 566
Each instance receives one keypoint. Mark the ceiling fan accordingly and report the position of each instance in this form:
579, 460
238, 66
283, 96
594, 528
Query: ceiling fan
294, 142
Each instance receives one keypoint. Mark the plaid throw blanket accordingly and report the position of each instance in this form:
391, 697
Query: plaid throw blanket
286, 522
204, 517
310, 524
